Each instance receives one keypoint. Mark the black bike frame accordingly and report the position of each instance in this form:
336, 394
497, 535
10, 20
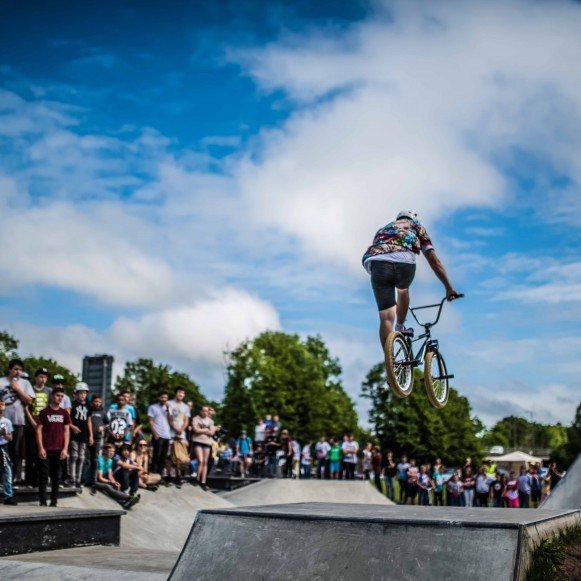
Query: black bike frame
429, 344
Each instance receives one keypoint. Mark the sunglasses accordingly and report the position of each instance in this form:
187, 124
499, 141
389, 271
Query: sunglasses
142, 444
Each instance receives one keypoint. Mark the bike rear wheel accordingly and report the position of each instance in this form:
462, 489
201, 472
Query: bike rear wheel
436, 380
400, 373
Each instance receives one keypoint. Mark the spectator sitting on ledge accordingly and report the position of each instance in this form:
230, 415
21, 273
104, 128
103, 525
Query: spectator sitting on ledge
106, 482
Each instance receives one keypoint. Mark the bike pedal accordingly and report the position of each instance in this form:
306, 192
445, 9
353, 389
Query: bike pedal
446, 377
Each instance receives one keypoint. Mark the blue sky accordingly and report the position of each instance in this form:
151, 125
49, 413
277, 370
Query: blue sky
178, 176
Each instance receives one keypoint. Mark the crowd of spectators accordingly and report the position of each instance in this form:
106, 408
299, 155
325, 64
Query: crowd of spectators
469, 486
47, 436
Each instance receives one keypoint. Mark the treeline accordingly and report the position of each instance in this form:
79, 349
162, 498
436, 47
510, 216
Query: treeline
300, 380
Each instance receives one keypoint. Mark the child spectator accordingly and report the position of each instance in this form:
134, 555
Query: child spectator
322, 449
402, 477
455, 489
469, 482
512, 491
482, 488
52, 438
272, 446
424, 487
126, 470
306, 460
350, 449
296, 461
5, 463
439, 482
498, 487
390, 472
119, 422
377, 468
106, 482
335, 455
412, 482
244, 452
524, 488
366, 463
99, 421
81, 433
140, 456
260, 460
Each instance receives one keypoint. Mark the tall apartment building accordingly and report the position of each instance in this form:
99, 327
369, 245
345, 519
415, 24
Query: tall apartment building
98, 374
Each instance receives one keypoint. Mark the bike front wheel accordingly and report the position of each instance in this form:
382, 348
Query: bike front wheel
436, 379
400, 373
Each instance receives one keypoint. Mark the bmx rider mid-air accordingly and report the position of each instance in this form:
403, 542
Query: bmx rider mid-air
391, 262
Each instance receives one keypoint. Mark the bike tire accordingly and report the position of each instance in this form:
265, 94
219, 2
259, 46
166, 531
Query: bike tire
438, 390
400, 378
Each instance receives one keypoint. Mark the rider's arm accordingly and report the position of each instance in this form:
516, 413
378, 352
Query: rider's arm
439, 270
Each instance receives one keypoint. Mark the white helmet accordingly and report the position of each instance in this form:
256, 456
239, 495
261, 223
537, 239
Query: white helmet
81, 386
408, 214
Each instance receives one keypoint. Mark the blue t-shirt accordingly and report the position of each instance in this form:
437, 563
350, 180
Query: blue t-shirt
104, 465
244, 445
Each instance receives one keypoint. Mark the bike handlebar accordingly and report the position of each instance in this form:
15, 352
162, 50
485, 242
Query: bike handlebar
438, 306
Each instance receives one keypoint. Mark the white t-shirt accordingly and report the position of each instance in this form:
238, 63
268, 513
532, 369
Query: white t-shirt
14, 408
259, 434
179, 412
350, 450
322, 449
306, 455
119, 422
158, 414
296, 449
5, 427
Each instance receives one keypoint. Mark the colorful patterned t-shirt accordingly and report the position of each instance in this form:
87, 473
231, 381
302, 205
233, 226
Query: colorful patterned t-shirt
404, 235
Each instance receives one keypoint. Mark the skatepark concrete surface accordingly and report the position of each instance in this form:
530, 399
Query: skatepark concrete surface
320, 541
90, 563
278, 491
161, 520
567, 494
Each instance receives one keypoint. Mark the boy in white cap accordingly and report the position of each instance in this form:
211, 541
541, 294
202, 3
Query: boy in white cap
81, 433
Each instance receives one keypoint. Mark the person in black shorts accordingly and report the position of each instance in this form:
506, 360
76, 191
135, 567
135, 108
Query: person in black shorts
391, 262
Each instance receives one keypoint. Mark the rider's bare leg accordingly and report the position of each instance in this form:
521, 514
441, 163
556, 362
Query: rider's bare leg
403, 303
386, 322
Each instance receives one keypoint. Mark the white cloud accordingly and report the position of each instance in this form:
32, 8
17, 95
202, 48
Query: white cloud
202, 331
192, 339
427, 101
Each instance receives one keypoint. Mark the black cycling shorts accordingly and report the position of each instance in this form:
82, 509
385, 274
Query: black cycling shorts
386, 277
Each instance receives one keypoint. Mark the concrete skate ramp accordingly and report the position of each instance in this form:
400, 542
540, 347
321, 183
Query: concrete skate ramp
161, 520
567, 493
278, 491
320, 541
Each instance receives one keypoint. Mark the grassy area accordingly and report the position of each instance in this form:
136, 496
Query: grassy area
558, 558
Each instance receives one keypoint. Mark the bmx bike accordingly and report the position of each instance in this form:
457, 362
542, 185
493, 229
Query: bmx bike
400, 360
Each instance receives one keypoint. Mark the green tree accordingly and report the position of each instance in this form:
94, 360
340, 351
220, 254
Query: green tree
412, 425
278, 373
146, 379
571, 448
8, 350
33, 363
517, 432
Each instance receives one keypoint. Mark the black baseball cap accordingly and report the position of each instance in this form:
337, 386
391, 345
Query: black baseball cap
42, 371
